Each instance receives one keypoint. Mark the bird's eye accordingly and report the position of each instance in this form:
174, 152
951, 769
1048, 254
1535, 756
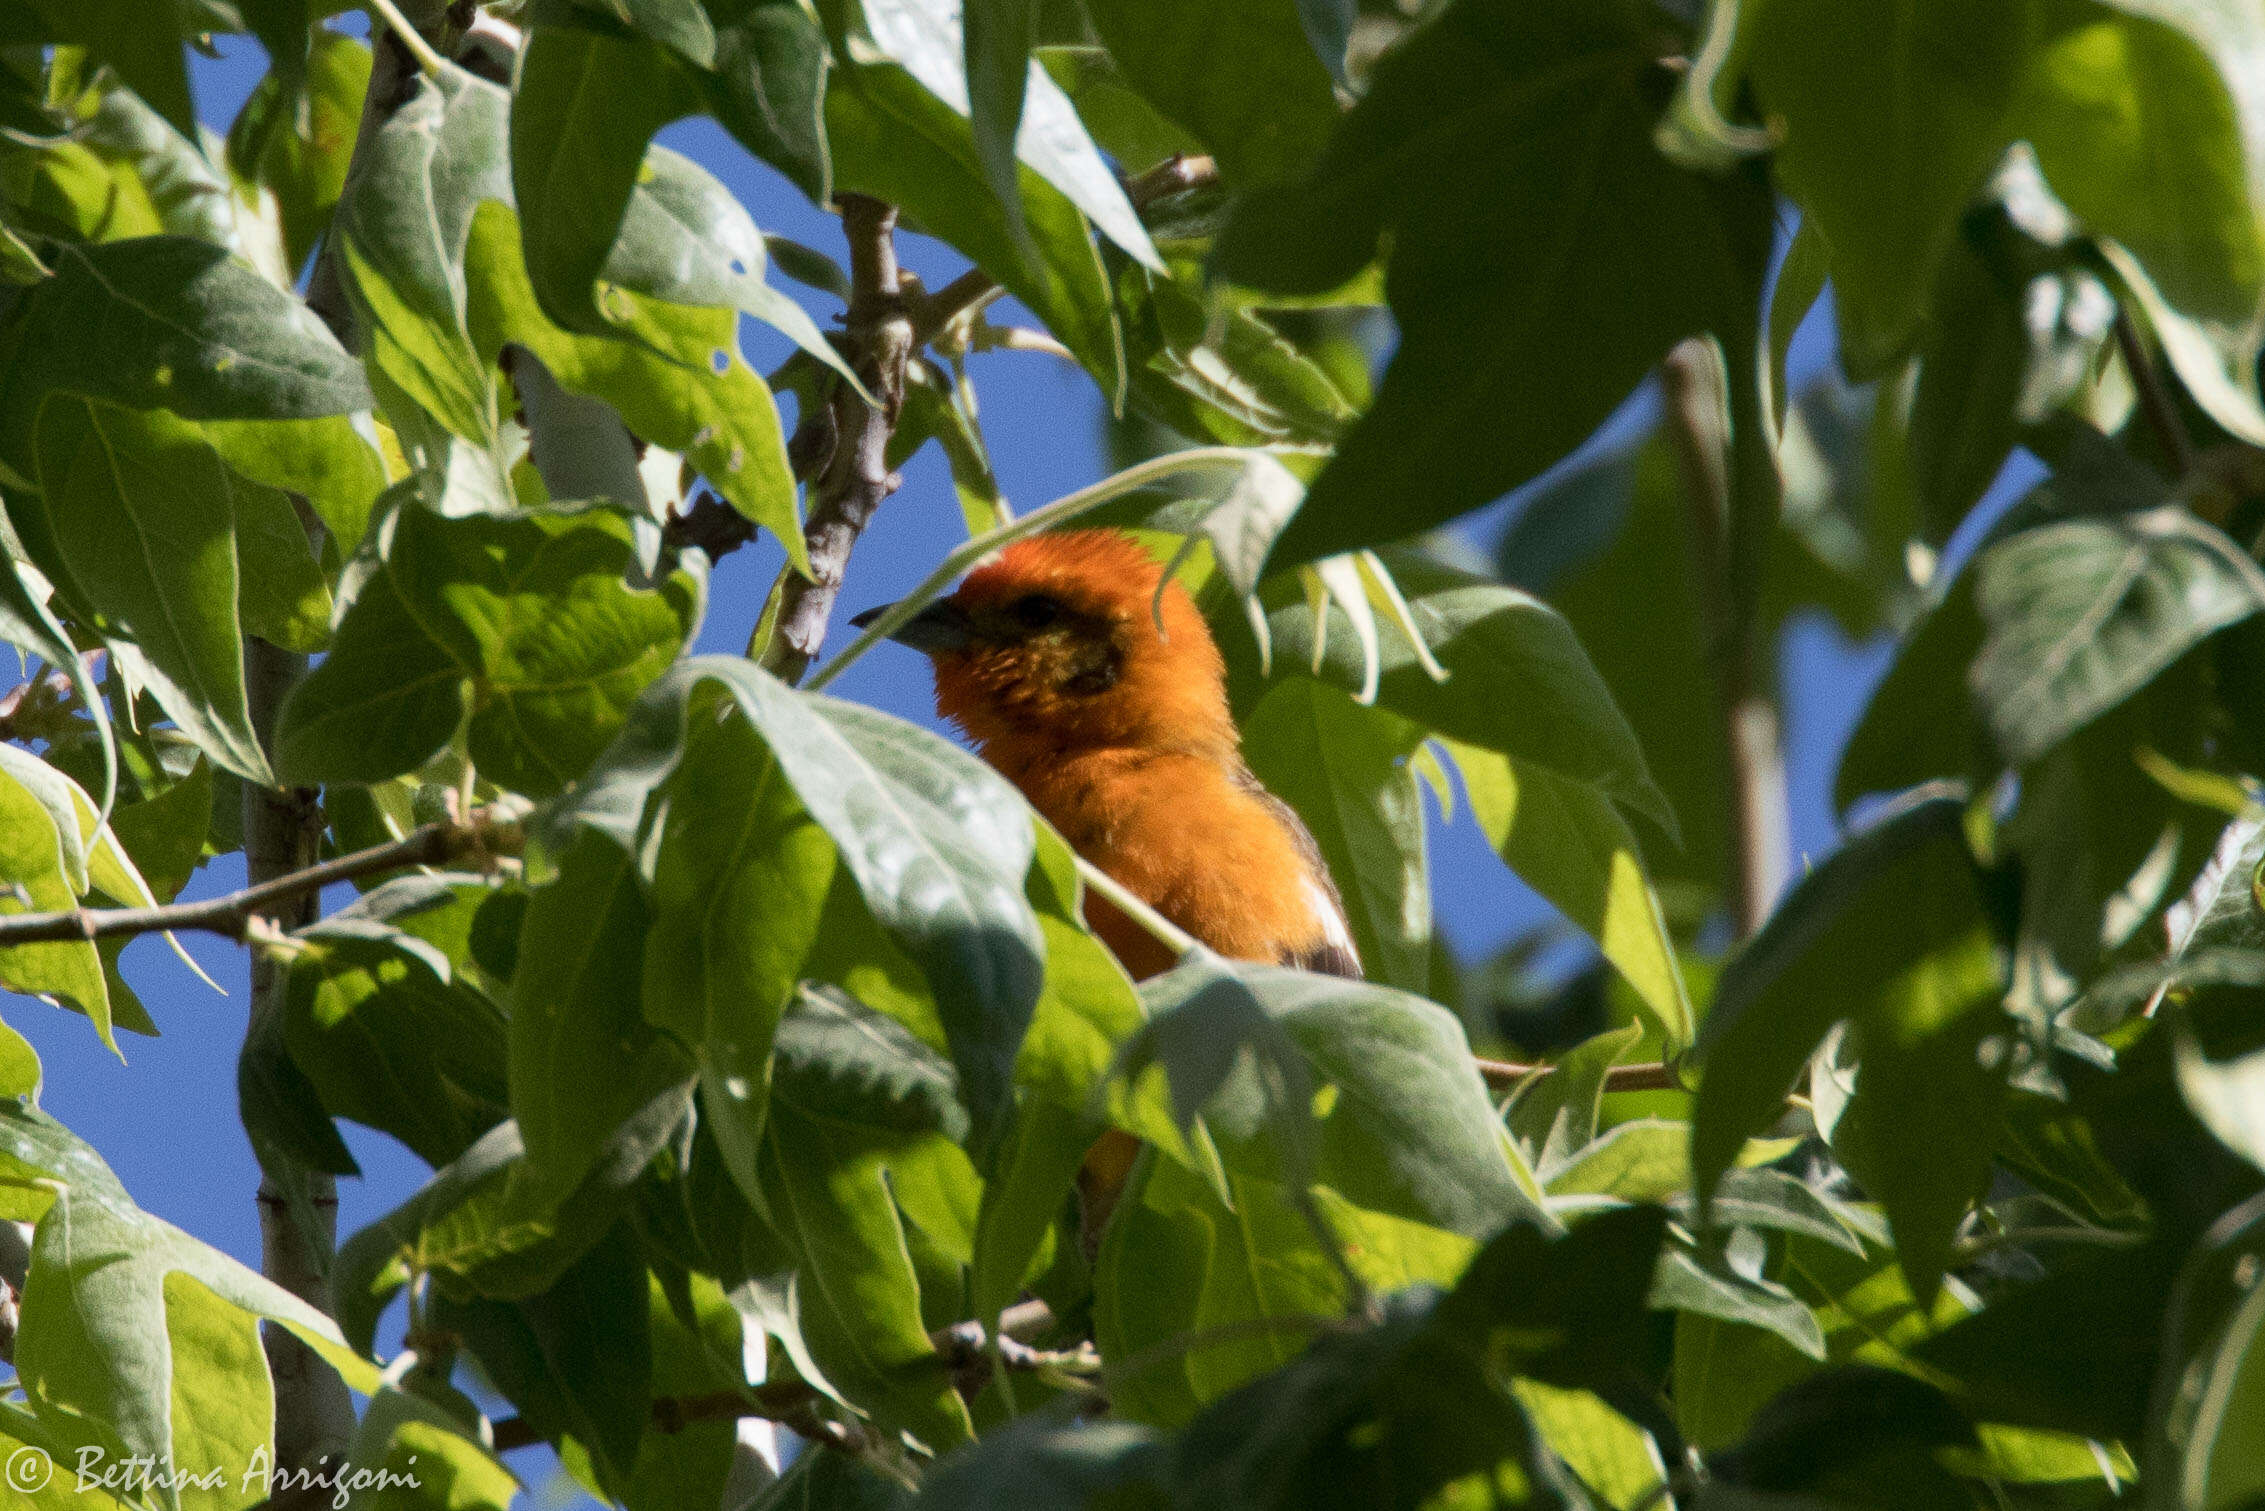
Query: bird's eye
1035, 612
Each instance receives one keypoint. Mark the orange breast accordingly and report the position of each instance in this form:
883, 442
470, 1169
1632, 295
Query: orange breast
1183, 835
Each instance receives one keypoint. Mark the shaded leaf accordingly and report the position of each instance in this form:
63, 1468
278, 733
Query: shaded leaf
526, 625
1492, 382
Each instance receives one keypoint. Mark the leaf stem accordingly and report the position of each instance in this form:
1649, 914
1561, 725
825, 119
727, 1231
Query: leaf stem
1650, 1076
2154, 395
1167, 933
427, 58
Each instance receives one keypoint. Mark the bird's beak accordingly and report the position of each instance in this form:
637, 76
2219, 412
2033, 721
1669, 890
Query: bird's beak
937, 629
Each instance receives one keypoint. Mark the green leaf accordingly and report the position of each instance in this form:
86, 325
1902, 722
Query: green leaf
27, 623
582, 1059
280, 592
188, 193
2082, 612
43, 866
937, 844
1402, 1413
2140, 110
1706, 1284
1572, 846
1238, 77
2074, 1351
1553, 1115
828, 1182
2015, 334
576, 1359
1891, 933
898, 142
995, 61
1346, 770
147, 56
740, 879
1920, 723
1779, 1202
1644, 1159
389, 1037
1042, 1465
1217, 370
491, 1224
331, 462
675, 373
401, 229
168, 322
147, 480
1409, 1130
148, 1336
1032, 1179
1854, 1421
2211, 1420
1884, 143
528, 625
680, 25
1493, 382
1518, 680
923, 37
1250, 1282
769, 86
412, 1440
583, 108
295, 144
2226, 1094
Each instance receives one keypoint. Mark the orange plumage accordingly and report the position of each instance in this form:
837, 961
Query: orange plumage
1106, 704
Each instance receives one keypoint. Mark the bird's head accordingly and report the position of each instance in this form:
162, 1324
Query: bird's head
1060, 642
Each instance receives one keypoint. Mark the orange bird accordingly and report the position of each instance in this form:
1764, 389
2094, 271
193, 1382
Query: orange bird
1107, 706
1051, 658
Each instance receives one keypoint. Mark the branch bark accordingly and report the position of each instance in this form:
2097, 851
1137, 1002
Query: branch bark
1730, 481
852, 482
963, 1349
269, 902
314, 1414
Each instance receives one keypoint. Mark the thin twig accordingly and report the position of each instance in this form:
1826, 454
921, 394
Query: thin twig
794, 1402
1650, 1076
231, 916
856, 477
423, 51
2154, 396
974, 289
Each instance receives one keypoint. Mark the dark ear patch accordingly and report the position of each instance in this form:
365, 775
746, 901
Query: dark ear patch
1097, 669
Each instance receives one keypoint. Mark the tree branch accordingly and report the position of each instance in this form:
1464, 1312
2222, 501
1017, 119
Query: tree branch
963, 1348
1733, 516
314, 1413
241, 914
974, 289
855, 478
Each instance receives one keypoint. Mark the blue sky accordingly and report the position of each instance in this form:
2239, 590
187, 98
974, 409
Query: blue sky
166, 1119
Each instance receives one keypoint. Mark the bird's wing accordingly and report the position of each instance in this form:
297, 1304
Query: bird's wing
1333, 952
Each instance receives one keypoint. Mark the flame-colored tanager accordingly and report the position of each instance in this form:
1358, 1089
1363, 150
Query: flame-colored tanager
1106, 704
